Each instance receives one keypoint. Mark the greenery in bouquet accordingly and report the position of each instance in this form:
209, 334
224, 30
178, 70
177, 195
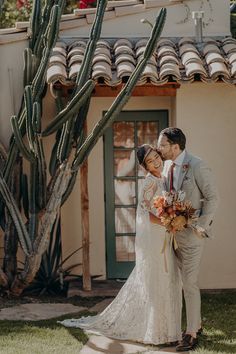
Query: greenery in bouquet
174, 211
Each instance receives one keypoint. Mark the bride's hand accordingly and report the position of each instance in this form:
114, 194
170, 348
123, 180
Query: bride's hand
154, 219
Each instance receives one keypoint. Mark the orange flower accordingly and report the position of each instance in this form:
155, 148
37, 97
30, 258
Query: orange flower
159, 202
178, 223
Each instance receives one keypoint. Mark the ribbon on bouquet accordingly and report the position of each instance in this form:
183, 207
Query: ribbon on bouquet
173, 244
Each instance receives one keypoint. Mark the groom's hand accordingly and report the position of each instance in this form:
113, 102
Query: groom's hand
154, 219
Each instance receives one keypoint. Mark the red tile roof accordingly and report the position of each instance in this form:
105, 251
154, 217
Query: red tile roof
114, 61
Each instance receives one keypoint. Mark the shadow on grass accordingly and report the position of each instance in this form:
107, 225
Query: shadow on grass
12, 328
219, 323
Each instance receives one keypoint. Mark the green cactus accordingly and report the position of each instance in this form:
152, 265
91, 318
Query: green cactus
28, 63
122, 97
73, 106
42, 201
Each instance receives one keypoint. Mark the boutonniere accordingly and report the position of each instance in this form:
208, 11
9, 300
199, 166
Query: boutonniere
185, 167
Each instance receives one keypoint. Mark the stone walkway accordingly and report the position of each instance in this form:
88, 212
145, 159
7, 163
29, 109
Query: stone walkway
96, 344
100, 344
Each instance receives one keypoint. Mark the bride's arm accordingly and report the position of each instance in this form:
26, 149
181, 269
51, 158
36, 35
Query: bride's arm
155, 219
146, 199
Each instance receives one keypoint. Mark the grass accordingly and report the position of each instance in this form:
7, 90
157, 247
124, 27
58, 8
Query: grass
48, 337
21, 337
219, 323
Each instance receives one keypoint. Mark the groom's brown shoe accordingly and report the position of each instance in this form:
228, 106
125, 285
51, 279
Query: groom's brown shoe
187, 343
199, 332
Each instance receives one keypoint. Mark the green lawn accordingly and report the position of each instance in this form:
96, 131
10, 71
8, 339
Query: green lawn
42, 337
219, 321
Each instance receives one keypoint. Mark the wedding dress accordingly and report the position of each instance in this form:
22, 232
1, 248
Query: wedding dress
148, 307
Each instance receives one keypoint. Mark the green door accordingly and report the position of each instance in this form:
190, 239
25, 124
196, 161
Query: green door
123, 177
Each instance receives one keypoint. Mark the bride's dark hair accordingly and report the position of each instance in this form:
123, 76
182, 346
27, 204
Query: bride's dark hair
143, 151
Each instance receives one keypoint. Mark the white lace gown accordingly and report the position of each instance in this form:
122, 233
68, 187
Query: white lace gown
148, 307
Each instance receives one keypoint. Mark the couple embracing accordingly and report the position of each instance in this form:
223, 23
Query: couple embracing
148, 307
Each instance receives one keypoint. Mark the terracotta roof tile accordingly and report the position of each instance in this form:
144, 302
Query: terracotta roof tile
114, 61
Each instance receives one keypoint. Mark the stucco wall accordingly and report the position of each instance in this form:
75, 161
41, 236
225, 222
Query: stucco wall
179, 21
11, 75
71, 211
207, 115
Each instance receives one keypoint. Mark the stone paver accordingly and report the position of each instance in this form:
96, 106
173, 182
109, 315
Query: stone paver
100, 344
100, 306
35, 312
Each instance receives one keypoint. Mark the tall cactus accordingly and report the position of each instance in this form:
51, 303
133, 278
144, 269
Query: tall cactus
70, 148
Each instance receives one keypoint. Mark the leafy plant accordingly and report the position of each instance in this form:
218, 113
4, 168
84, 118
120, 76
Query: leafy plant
53, 274
11, 13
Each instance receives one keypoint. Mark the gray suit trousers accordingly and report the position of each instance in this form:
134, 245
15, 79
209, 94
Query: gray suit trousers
189, 254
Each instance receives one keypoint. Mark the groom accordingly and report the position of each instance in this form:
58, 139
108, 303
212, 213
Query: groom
190, 174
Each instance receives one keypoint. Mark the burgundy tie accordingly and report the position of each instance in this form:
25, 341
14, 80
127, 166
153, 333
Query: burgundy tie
172, 176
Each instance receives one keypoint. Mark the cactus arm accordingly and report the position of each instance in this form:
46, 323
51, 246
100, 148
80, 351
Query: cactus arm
69, 187
25, 196
42, 177
29, 112
73, 106
33, 201
78, 129
38, 44
35, 22
41, 161
58, 188
16, 217
53, 159
123, 96
52, 29
36, 118
19, 140
65, 141
28, 63
95, 33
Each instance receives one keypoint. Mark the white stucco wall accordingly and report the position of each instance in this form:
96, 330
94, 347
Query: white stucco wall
207, 115
179, 22
205, 112
11, 76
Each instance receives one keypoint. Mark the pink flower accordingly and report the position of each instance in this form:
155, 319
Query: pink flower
22, 3
84, 4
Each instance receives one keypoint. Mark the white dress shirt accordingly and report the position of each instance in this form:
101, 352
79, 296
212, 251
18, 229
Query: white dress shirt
178, 165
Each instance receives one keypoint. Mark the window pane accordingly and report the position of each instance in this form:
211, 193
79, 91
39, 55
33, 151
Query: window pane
125, 220
125, 250
124, 163
147, 133
124, 192
123, 134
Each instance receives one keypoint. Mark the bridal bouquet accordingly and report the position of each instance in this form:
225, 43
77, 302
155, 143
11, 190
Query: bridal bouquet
174, 211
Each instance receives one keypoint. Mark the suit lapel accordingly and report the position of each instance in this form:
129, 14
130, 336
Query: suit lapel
183, 170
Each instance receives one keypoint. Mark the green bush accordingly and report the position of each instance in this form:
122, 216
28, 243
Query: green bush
10, 14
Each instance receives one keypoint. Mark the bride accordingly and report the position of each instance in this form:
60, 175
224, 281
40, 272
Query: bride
148, 307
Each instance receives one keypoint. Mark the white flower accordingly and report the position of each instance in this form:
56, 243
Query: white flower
181, 196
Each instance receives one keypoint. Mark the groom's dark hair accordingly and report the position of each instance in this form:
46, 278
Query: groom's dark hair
175, 136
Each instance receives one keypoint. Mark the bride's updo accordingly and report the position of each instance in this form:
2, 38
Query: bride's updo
143, 151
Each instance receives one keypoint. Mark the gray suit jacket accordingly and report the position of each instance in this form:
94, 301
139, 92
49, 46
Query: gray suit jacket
196, 180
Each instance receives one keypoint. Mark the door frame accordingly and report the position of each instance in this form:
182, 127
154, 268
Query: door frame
109, 193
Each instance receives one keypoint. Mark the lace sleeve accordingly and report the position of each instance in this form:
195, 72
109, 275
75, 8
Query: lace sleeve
149, 190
